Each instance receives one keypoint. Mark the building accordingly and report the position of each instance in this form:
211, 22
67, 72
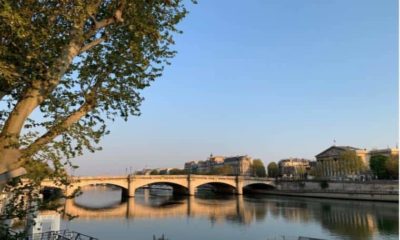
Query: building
191, 167
387, 152
296, 168
332, 165
241, 165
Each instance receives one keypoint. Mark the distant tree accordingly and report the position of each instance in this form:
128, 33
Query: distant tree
258, 168
301, 172
377, 165
273, 170
154, 172
392, 167
318, 171
176, 171
352, 163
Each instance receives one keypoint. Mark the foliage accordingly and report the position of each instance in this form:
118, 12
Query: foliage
317, 172
222, 170
258, 168
324, 184
350, 163
89, 66
300, 172
377, 165
75, 65
176, 171
154, 172
273, 170
392, 167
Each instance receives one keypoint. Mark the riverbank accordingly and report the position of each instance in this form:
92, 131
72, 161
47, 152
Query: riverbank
387, 191
335, 195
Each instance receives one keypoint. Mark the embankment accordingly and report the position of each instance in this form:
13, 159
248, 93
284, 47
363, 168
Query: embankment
372, 191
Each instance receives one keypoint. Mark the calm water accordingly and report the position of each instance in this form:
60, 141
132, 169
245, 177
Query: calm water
103, 214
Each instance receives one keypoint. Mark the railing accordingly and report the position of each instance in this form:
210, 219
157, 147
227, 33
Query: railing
59, 235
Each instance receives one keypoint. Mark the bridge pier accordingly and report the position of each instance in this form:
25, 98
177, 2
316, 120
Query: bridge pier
131, 190
69, 191
191, 187
131, 187
239, 185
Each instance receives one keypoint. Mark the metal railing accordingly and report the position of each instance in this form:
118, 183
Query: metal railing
59, 235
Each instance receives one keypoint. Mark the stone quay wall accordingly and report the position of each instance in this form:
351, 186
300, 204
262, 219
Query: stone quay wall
372, 190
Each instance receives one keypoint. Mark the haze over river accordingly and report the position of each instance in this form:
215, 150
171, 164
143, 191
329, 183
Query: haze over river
104, 215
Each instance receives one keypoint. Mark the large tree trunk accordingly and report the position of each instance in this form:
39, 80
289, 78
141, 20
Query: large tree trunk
10, 153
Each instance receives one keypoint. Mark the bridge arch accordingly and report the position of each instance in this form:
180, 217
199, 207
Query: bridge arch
218, 187
258, 187
227, 184
86, 181
179, 184
260, 184
176, 188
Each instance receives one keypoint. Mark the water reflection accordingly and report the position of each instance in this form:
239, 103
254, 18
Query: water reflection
342, 219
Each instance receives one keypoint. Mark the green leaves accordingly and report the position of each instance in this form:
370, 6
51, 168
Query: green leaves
75, 65
273, 170
258, 168
37, 40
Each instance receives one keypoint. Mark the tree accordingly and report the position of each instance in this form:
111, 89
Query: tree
222, 170
76, 64
273, 170
392, 167
69, 67
377, 164
176, 171
352, 164
258, 168
154, 172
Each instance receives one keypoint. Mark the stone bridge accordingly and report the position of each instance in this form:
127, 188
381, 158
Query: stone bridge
183, 184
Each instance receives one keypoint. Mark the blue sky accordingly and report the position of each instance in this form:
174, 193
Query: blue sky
272, 79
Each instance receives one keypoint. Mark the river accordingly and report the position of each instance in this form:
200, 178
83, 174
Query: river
103, 214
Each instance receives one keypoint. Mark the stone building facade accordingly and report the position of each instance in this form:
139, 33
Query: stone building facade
387, 152
294, 168
331, 165
240, 165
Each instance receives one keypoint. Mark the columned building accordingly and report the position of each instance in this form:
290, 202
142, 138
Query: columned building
332, 164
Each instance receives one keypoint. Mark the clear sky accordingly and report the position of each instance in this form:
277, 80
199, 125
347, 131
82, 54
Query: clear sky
269, 78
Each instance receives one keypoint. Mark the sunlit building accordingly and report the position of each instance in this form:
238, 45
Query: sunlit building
294, 167
240, 165
387, 152
331, 165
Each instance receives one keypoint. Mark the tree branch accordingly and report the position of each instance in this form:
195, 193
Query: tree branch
92, 44
58, 129
89, 105
116, 18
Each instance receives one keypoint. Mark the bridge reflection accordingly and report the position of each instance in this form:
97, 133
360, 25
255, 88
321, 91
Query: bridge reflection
339, 217
147, 206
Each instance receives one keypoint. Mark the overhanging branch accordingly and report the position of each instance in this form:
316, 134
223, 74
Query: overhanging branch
92, 44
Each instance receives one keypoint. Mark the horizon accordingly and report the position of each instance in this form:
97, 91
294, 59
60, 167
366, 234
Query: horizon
284, 79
